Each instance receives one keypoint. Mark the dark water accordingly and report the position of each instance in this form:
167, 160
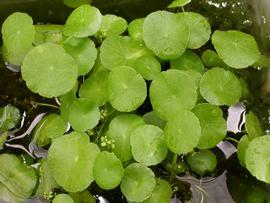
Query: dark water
231, 183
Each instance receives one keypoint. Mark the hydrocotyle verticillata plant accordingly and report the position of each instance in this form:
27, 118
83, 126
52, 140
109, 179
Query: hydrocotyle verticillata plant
105, 80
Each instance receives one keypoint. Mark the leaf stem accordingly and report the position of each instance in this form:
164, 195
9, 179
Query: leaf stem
183, 9
44, 104
173, 172
232, 139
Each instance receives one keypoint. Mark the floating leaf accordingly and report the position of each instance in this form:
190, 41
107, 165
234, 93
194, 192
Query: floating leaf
182, 132
82, 197
49, 128
120, 130
18, 178
161, 193
3, 138
62, 198
214, 126
199, 27
108, 170
188, 61
111, 25
75, 4
148, 145
138, 182
66, 101
49, 70
95, 87
126, 89
235, 48
241, 149
48, 33
83, 51
202, 162
211, 59
253, 126
166, 34
71, 160
9, 117
84, 21
220, 87
121, 51
172, 91
179, 3
257, 158
135, 29
83, 114
18, 34
152, 119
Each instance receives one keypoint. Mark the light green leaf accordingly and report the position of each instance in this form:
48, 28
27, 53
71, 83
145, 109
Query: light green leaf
152, 119
211, 59
253, 126
82, 197
71, 160
179, 3
235, 48
66, 101
182, 132
3, 138
49, 71
48, 33
126, 89
241, 149
166, 34
135, 29
9, 117
220, 87
84, 21
172, 91
62, 198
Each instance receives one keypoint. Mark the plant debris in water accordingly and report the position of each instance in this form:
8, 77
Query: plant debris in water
102, 76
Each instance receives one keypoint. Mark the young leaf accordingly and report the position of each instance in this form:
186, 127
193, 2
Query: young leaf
118, 51
235, 48
220, 87
120, 130
166, 34
135, 29
182, 132
84, 21
126, 89
71, 160
241, 149
138, 182
49, 71
178, 3
214, 126
188, 61
95, 87
172, 91
83, 114
257, 158
161, 193
211, 59
84, 53
148, 145
62, 198
253, 126
108, 170
9, 117
199, 27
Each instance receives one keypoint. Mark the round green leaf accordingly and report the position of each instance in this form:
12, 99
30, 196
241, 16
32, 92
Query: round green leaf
108, 170
182, 132
49, 71
3, 139
95, 87
9, 117
166, 34
241, 149
84, 21
172, 91
147, 66
50, 127
253, 126
235, 48
62, 198
84, 53
188, 61
214, 126
135, 29
75, 4
18, 178
66, 101
148, 145
152, 119
111, 25
195, 77
220, 87
118, 51
161, 193
71, 160
138, 182
257, 158
211, 59
199, 27
179, 3
120, 130
83, 114
82, 197
202, 162
126, 89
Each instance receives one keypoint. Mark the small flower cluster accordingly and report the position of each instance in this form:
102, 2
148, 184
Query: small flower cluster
106, 142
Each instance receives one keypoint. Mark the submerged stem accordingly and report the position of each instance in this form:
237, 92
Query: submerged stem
174, 162
44, 104
232, 139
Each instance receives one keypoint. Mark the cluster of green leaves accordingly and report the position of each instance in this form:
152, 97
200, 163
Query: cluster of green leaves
109, 143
